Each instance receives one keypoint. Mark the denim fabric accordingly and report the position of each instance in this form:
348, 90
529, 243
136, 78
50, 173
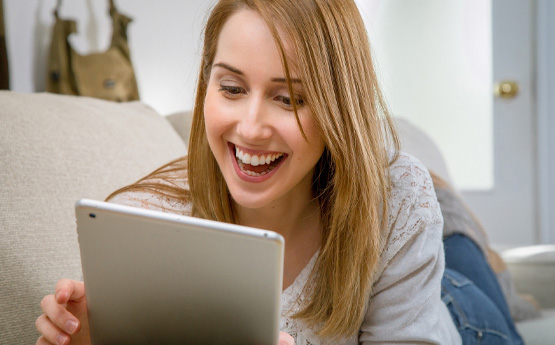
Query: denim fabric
473, 296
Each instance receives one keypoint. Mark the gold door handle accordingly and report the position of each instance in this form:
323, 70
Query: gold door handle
506, 89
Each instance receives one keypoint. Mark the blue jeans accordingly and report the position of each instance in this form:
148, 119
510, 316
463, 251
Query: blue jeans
473, 296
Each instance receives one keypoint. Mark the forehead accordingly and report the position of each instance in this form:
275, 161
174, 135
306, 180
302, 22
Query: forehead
246, 34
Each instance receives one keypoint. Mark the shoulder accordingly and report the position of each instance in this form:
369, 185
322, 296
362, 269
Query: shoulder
413, 209
152, 201
411, 265
166, 190
412, 191
409, 179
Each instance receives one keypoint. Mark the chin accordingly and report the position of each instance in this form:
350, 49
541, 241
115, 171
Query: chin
249, 200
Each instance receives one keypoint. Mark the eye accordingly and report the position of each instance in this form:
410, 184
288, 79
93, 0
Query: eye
287, 102
231, 90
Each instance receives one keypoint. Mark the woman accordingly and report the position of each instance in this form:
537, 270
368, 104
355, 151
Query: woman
290, 133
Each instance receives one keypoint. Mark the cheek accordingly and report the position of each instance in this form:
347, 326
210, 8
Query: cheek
215, 118
312, 133
213, 123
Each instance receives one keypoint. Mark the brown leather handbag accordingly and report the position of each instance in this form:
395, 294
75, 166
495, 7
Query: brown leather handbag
108, 75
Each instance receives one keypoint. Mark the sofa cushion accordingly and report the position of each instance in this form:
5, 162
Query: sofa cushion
55, 150
538, 331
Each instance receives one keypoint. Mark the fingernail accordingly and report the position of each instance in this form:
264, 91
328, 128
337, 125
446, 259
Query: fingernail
62, 339
71, 326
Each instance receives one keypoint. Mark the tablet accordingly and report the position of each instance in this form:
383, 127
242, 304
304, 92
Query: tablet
157, 278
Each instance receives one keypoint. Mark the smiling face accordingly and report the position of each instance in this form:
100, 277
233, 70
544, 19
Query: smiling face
250, 124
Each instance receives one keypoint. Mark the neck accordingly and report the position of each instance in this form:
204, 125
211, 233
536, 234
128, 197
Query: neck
300, 225
292, 220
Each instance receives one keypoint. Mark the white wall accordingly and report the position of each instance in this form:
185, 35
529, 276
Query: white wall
434, 62
164, 39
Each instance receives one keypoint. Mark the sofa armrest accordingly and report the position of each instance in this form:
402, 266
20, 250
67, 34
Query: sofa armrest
533, 270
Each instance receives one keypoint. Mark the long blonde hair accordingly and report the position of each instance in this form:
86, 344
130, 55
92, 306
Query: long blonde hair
351, 181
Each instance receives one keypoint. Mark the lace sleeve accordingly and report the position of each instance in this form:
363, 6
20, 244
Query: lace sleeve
413, 205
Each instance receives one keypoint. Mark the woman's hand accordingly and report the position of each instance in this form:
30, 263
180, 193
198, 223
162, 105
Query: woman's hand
65, 315
285, 339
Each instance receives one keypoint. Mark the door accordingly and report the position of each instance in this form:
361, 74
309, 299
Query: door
508, 209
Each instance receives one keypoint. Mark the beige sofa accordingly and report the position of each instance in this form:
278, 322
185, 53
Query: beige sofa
56, 149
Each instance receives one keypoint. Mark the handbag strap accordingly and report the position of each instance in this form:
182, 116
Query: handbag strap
119, 27
112, 9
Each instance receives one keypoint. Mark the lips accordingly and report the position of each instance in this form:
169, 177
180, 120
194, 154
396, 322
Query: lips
255, 167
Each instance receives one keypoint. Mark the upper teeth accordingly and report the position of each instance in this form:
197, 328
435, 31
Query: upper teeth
255, 160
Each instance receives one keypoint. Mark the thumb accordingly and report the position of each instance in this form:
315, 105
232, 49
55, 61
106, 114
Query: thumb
286, 339
67, 290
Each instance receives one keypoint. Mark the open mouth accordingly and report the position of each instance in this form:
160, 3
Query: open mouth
257, 165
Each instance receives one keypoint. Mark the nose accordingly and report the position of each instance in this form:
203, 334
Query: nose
254, 125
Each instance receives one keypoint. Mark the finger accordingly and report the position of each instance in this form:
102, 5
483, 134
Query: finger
67, 289
42, 341
286, 339
59, 316
50, 333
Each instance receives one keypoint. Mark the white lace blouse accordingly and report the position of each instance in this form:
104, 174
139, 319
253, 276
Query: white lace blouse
405, 305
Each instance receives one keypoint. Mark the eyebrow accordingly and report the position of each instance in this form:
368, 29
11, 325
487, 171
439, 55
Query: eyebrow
228, 67
236, 71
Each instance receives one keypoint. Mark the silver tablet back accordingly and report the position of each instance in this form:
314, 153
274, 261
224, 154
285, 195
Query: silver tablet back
157, 278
